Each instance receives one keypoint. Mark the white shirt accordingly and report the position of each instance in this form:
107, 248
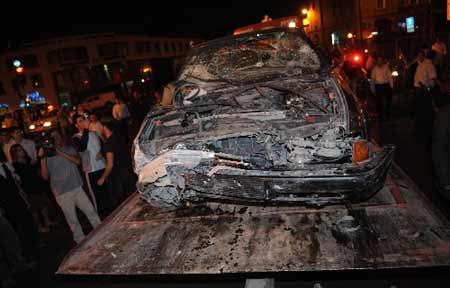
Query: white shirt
425, 72
89, 156
120, 111
382, 75
440, 48
30, 147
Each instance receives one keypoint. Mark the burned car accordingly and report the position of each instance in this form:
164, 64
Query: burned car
258, 118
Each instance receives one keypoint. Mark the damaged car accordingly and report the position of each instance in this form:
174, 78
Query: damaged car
258, 118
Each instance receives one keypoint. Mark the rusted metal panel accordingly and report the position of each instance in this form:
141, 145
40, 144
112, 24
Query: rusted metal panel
397, 229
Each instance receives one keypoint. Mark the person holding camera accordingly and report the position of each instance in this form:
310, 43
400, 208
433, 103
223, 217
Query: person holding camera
89, 147
61, 169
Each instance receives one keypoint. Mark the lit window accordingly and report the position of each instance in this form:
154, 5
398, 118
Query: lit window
37, 81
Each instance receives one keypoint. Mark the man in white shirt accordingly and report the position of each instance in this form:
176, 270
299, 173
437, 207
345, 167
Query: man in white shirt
381, 86
93, 163
65, 180
426, 75
95, 125
28, 145
424, 81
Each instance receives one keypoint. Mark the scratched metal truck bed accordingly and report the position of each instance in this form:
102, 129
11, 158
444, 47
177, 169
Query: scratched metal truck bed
398, 229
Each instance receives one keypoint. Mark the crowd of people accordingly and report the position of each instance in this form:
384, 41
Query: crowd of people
429, 83
84, 163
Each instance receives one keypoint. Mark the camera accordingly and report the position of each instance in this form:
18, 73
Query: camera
46, 142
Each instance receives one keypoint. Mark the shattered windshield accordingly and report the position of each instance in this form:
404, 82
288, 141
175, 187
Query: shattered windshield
252, 57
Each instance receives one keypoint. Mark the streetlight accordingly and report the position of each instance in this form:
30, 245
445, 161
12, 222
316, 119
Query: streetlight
352, 37
305, 20
17, 63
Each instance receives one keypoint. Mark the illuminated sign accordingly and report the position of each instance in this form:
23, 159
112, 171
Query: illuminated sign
334, 38
448, 9
35, 96
410, 25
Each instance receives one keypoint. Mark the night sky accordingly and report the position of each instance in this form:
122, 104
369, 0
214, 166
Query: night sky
187, 18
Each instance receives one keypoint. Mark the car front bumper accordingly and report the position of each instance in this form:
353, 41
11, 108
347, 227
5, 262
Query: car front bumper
315, 185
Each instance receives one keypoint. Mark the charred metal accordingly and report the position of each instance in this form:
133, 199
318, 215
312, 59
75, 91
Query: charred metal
256, 118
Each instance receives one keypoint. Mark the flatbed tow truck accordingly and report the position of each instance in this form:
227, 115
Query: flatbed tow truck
398, 228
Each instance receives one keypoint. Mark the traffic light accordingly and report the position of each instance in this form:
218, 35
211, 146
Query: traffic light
357, 59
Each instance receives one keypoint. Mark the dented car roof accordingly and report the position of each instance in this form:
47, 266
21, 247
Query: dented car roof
253, 56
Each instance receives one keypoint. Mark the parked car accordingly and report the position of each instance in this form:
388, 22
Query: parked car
258, 118
43, 118
103, 100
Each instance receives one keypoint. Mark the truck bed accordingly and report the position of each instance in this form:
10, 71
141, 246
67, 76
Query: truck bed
397, 228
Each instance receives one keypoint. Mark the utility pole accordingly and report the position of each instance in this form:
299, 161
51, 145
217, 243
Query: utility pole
360, 24
321, 23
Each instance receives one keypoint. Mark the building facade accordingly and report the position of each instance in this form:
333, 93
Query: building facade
63, 69
329, 21
383, 25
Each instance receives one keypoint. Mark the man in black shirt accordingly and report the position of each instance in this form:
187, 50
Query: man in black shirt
116, 174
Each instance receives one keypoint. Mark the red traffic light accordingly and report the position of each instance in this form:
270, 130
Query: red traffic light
19, 70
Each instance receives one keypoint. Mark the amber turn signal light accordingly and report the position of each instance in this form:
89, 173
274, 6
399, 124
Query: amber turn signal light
360, 151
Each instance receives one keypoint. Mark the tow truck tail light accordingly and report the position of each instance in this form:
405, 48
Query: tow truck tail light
357, 58
360, 151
